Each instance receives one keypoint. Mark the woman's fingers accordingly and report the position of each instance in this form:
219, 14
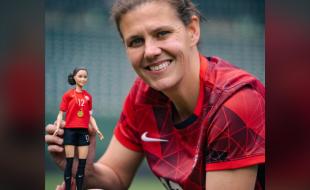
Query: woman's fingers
50, 129
56, 140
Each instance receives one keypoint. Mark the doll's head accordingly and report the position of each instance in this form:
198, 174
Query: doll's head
72, 77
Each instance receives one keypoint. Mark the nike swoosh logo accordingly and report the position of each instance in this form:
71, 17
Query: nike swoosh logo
149, 139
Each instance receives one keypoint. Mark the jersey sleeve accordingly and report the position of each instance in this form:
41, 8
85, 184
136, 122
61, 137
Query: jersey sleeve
64, 102
236, 137
126, 131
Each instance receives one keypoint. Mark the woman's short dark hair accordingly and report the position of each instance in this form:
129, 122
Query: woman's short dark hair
184, 8
71, 80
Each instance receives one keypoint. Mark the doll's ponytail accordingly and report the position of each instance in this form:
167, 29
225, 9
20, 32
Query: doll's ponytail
71, 80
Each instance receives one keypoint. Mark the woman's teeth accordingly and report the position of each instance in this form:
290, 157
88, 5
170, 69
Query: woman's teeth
162, 66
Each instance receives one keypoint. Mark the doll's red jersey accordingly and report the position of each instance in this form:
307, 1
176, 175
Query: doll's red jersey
73, 102
226, 130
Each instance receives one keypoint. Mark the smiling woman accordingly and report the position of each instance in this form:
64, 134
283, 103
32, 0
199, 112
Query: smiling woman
159, 48
199, 121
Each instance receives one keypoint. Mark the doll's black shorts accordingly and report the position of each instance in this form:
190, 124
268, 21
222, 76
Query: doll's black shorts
76, 136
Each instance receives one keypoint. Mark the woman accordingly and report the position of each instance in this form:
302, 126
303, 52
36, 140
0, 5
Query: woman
77, 103
199, 121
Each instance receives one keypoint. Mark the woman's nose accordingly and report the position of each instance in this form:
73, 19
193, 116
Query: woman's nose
151, 49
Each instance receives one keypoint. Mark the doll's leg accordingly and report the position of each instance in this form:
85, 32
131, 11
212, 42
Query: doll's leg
69, 150
82, 154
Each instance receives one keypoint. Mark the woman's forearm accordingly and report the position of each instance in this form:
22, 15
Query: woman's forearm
102, 176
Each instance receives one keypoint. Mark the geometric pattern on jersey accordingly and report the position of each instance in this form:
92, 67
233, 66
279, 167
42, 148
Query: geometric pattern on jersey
173, 162
233, 136
199, 147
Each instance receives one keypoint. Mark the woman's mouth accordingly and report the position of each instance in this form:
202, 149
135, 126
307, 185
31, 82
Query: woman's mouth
159, 67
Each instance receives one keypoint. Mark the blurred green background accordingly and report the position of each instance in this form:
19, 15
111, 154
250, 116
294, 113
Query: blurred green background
79, 33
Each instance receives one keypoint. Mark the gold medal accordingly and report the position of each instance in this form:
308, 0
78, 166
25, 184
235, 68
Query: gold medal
80, 113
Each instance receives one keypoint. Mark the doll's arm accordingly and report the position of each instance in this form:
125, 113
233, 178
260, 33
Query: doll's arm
58, 121
94, 125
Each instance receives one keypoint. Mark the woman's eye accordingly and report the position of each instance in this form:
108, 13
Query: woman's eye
162, 34
136, 42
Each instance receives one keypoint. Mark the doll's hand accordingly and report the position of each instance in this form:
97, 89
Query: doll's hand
61, 125
100, 135
56, 132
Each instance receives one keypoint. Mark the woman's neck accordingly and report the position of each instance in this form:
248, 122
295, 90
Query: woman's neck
185, 95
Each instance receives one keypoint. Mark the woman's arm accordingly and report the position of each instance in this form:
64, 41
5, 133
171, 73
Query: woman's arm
115, 169
236, 179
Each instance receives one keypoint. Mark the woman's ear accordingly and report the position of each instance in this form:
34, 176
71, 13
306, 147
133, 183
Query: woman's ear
194, 30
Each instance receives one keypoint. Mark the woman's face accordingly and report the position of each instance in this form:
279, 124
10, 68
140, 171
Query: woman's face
81, 78
158, 44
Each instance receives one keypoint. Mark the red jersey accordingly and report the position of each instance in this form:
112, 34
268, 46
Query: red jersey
226, 130
73, 102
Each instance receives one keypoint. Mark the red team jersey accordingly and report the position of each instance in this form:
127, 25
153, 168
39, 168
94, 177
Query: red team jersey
71, 103
226, 130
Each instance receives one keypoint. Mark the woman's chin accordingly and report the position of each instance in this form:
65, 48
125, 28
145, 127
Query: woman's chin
162, 86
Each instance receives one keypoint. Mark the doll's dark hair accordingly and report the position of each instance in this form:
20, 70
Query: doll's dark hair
71, 80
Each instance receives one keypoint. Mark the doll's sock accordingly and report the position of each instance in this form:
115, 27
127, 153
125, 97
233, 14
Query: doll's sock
68, 173
80, 174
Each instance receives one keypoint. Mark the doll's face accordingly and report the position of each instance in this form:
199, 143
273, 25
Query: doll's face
81, 78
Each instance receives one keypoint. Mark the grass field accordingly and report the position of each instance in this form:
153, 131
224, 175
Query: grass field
139, 183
